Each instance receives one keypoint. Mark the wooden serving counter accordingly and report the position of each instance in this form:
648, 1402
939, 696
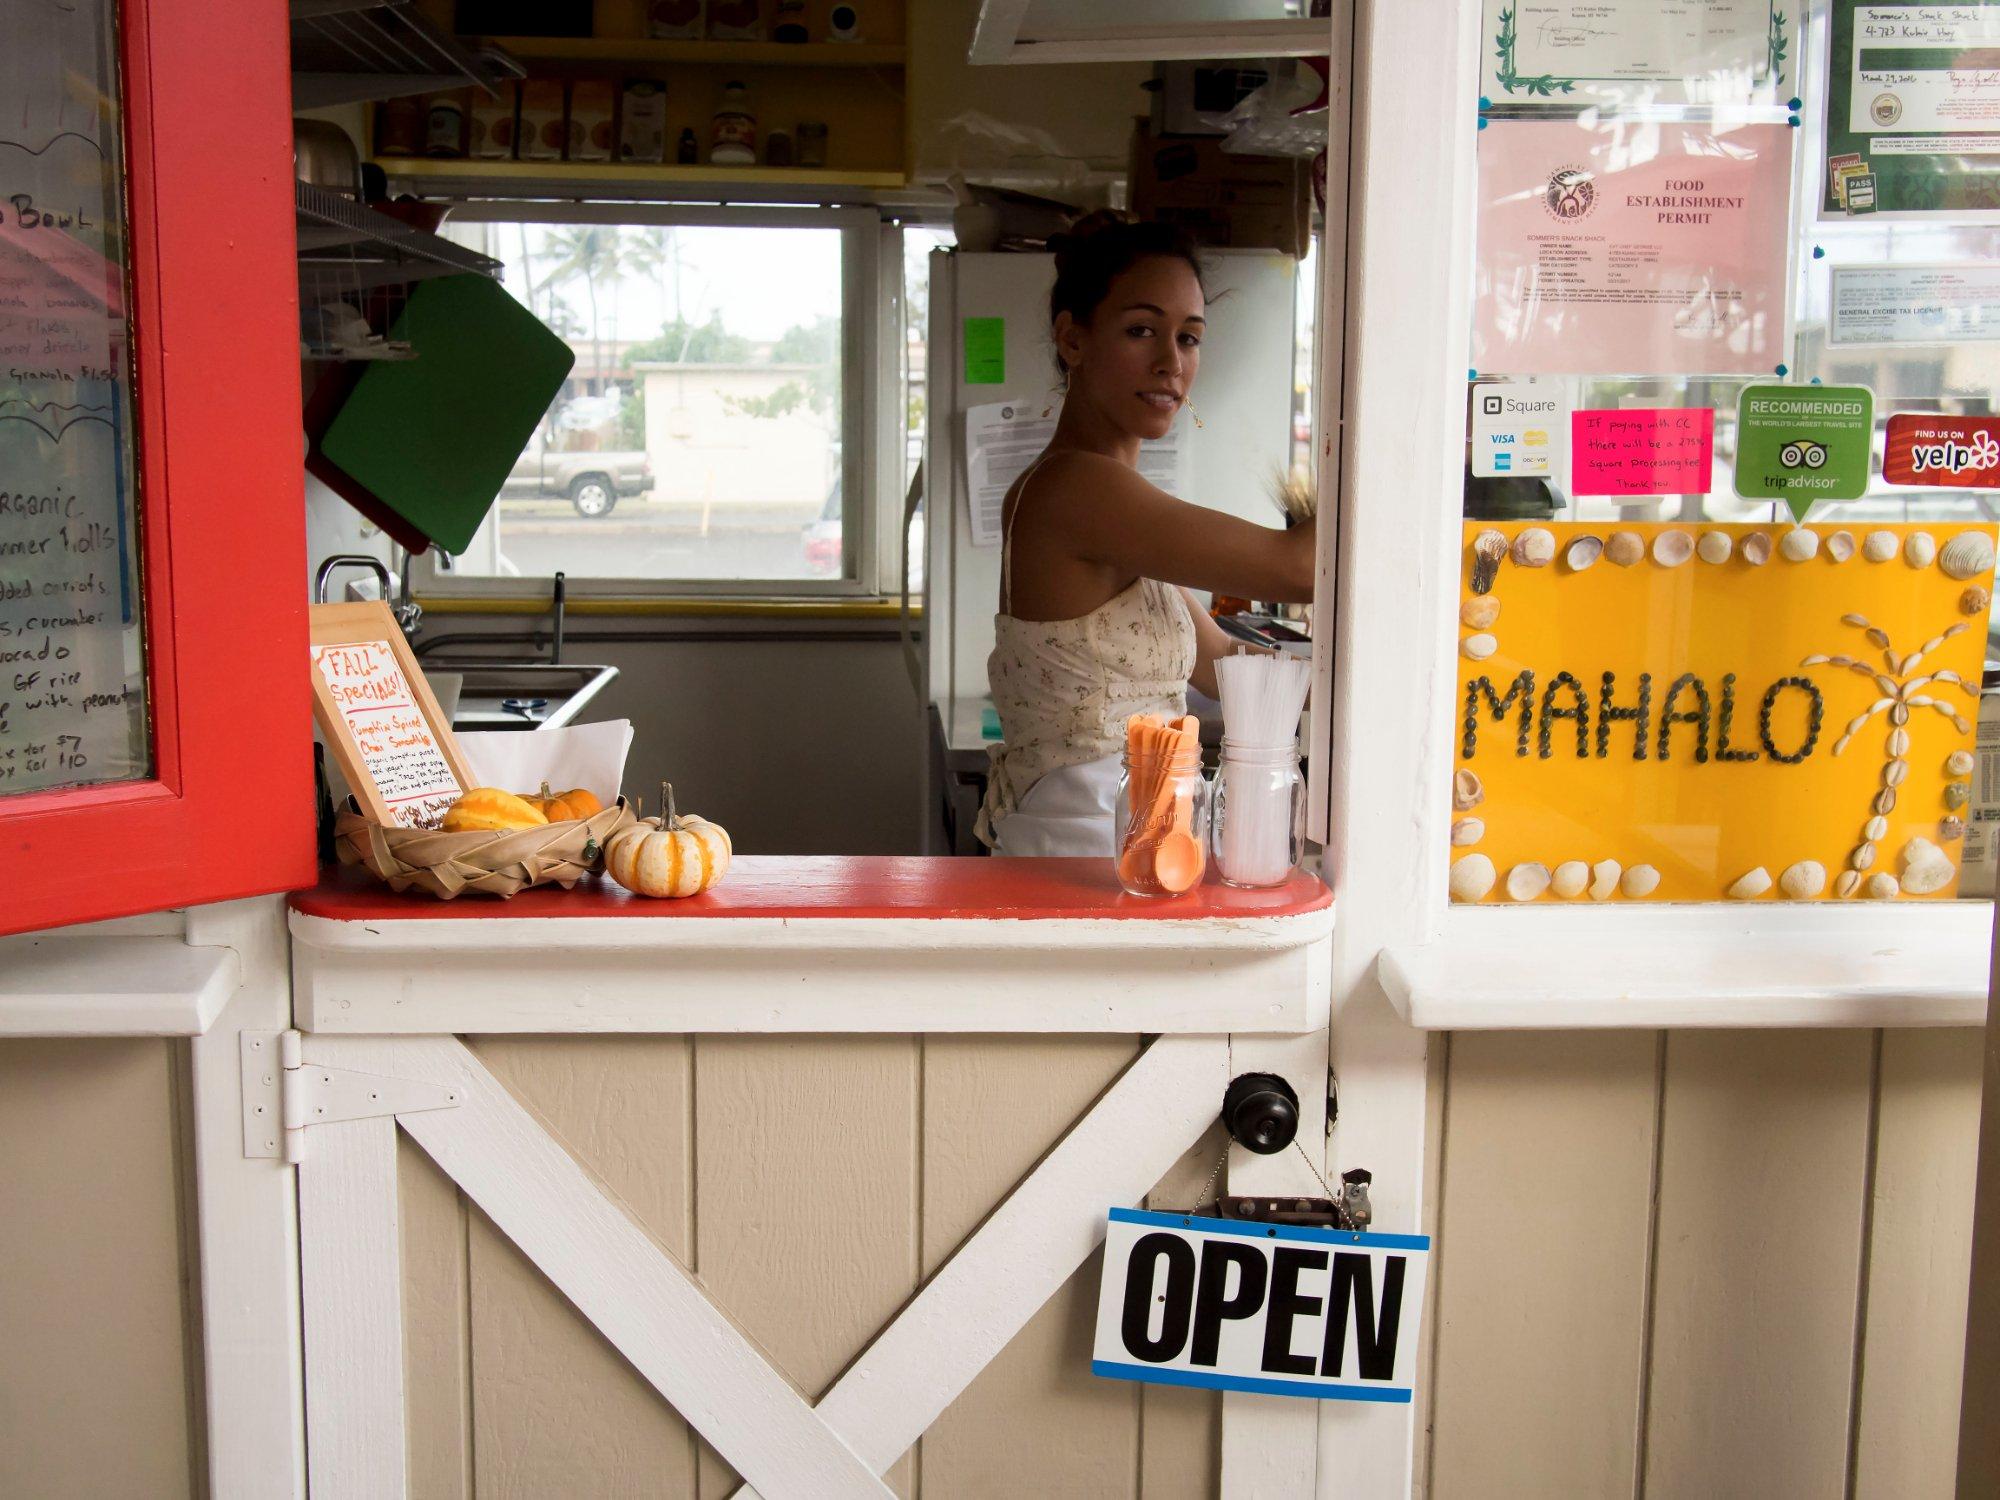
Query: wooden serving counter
790, 944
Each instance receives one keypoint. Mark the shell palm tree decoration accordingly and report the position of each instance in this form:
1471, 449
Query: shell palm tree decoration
1900, 693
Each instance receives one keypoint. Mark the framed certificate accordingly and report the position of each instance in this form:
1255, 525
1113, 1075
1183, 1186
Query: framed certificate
1913, 110
1709, 52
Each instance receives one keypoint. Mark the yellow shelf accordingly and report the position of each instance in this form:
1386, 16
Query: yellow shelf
468, 170
623, 51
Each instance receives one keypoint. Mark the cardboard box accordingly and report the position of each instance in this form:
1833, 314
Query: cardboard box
642, 123
542, 130
493, 123
593, 104
1242, 202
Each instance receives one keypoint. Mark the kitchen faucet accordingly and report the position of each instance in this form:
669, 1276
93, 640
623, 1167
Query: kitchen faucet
339, 560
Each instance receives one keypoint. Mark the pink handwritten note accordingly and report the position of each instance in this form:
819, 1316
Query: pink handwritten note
371, 694
1666, 450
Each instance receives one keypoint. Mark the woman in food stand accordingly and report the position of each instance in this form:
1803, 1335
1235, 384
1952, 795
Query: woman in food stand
1096, 623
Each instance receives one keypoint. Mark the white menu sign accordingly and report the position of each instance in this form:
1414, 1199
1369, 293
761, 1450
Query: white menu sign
374, 701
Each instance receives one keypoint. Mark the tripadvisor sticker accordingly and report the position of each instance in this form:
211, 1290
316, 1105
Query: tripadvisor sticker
1801, 443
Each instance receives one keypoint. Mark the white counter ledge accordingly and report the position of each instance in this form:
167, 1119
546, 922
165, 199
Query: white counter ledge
803, 944
1852, 963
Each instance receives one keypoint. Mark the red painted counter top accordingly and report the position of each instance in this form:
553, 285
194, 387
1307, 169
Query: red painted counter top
865, 886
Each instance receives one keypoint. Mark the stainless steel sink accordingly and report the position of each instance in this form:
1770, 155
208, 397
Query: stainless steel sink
517, 695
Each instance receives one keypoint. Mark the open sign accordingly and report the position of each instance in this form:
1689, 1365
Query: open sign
1240, 1306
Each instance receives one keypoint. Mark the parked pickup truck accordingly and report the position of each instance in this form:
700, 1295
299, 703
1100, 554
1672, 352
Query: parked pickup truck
592, 481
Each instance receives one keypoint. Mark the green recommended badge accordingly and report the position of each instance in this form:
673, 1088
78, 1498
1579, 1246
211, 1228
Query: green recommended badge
1801, 443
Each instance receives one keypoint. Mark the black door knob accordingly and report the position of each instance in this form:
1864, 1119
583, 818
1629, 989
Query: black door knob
1261, 1113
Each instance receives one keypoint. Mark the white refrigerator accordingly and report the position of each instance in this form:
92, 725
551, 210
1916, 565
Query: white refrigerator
989, 343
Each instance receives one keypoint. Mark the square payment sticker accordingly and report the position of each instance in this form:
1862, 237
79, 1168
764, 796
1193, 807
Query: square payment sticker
1518, 427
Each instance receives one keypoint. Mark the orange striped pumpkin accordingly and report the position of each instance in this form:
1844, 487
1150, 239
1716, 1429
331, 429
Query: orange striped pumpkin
675, 855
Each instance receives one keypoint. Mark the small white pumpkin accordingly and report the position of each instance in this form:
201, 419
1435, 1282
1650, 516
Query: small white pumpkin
675, 855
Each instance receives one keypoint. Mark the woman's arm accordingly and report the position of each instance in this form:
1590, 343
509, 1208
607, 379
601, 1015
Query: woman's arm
1211, 641
1135, 527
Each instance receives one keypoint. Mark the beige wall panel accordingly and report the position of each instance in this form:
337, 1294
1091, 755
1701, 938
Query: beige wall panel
806, 1198
1035, 1421
556, 1410
1919, 1259
437, 1347
1541, 1268
94, 1384
1180, 1430
1764, 1141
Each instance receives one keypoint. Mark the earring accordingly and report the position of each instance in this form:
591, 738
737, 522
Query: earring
1189, 404
1058, 392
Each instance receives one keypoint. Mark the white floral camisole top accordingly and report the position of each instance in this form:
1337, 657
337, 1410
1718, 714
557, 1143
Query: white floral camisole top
1064, 688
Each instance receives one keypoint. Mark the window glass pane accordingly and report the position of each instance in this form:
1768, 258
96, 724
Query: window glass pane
699, 436
1744, 662
72, 660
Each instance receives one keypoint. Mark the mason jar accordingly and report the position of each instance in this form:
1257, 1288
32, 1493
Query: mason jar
1260, 813
1161, 823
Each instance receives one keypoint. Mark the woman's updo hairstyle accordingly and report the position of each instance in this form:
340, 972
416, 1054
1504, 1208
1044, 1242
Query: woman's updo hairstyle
1098, 249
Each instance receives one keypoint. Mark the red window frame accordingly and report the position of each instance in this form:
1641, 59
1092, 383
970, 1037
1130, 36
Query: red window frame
214, 287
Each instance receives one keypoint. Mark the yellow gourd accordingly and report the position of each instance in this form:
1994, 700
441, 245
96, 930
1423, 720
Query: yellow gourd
575, 804
487, 809
675, 855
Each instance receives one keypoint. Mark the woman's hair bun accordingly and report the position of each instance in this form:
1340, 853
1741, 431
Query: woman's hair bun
1067, 242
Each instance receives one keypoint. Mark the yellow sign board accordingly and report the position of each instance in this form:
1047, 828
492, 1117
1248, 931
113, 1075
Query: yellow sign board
1693, 712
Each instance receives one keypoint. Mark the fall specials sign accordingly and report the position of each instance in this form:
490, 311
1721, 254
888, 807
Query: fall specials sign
1687, 712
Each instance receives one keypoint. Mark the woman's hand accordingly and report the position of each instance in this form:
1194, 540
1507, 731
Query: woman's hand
1118, 520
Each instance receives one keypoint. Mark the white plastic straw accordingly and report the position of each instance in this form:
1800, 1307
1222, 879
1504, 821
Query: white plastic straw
1262, 698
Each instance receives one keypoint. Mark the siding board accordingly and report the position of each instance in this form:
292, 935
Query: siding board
1035, 1421
556, 1410
1764, 1143
1919, 1263
1541, 1262
806, 1199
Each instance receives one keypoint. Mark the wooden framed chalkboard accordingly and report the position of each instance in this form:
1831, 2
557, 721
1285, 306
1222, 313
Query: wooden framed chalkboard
379, 719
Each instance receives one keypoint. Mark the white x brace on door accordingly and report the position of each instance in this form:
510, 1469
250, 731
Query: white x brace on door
342, 1098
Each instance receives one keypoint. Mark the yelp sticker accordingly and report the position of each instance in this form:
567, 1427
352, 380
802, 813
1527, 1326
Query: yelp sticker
1932, 450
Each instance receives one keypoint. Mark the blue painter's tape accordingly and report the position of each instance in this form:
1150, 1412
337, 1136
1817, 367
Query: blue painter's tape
1250, 1229
1312, 1390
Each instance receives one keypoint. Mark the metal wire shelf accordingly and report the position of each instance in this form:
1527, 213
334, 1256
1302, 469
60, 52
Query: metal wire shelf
346, 247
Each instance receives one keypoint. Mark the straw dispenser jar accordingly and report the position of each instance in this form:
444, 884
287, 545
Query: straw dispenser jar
1260, 795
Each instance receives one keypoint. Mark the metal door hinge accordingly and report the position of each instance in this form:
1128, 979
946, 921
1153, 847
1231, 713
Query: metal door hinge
283, 1094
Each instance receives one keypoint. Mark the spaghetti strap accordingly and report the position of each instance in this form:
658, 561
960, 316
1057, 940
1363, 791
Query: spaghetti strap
1007, 534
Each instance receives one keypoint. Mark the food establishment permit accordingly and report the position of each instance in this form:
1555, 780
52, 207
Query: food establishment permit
1619, 251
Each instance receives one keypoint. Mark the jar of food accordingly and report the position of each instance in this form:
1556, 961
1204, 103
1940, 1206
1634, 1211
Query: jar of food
1161, 822
732, 133
444, 126
778, 149
1260, 813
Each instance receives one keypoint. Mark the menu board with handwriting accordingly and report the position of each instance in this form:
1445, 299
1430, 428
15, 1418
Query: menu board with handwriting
378, 717
72, 651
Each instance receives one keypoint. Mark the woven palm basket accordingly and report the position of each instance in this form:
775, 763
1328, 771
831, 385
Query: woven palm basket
490, 864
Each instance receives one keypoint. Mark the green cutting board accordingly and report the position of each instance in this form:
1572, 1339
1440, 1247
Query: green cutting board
434, 437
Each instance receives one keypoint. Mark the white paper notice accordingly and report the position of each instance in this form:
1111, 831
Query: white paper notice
1935, 304
374, 699
1003, 438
